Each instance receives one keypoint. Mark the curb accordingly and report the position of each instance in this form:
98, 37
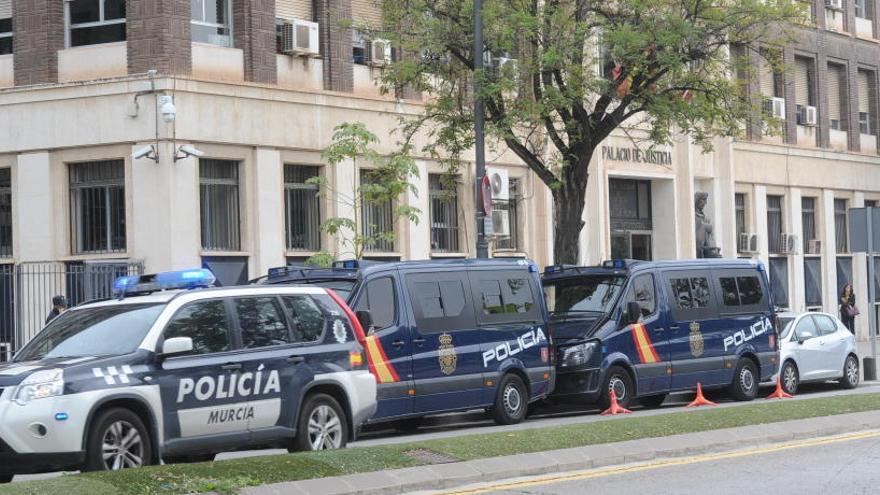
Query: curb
442, 476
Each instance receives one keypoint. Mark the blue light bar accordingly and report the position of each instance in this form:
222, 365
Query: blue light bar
183, 279
554, 269
279, 271
347, 264
614, 264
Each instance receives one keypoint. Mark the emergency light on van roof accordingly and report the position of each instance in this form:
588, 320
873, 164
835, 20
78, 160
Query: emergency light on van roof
183, 279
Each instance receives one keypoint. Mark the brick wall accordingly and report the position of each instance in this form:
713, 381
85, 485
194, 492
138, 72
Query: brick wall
253, 27
335, 43
39, 34
159, 37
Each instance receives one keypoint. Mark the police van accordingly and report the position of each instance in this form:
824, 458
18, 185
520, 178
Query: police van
165, 372
645, 329
445, 336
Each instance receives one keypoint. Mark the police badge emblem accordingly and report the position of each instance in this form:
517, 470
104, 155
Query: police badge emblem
696, 339
339, 331
446, 355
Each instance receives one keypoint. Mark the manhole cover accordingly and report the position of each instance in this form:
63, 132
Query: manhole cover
429, 457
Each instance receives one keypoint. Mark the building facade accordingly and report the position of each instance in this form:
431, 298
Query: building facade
98, 176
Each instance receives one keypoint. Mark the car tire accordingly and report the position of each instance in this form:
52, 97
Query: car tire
652, 401
6, 478
511, 401
129, 441
851, 373
408, 425
322, 425
789, 378
188, 459
619, 379
745, 380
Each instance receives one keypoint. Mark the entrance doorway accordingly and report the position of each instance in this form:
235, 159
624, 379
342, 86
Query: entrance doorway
631, 245
631, 223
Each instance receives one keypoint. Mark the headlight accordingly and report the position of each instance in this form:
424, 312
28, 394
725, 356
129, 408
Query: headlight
42, 384
578, 355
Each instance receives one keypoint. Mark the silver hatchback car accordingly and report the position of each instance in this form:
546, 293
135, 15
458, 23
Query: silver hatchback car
816, 347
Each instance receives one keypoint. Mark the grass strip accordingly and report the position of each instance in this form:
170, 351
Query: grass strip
230, 475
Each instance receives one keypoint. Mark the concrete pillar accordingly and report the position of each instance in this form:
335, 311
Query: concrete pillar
683, 221
795, 223
254, 34
595, 236
334, 16
39, 34
724, 188
860, 281
415, 238
268, 211
346, 179
667, 223
829, 252
759, 206
34, 222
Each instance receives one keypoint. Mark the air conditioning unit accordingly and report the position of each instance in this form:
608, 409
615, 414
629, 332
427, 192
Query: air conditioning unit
834, 4
788, 244
500, 183
775, 107
380, 52
501, 223
807, 115
299, 37
748, 243
814, 246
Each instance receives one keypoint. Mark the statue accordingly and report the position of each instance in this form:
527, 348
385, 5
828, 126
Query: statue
703, 229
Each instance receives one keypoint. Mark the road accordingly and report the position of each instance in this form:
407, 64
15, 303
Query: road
452, 425
845, 464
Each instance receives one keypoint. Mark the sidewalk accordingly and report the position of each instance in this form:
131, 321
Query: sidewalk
441, 476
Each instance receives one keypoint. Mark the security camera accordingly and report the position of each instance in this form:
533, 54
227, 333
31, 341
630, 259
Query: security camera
145, 152
187, 150
166, 108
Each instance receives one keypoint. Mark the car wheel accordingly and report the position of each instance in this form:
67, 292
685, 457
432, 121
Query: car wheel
850, 378
118, 440
652, 401
408, 425
789, 377
619, 380
322, 425
188, 459
745, 380
511, 401
6, 478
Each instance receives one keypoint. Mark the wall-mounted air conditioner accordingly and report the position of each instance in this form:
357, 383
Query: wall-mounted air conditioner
299, 37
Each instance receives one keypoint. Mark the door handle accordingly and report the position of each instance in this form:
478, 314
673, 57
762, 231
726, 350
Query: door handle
295, 359
659, 329
231, 366
398, 344
419, 341
674, 328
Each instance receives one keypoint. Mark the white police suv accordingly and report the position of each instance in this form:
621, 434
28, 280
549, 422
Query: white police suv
167, 372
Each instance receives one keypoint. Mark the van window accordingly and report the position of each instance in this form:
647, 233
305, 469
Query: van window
691, 292
440, 302
504, 297
642, 291
380, 299
582, 295
740, 291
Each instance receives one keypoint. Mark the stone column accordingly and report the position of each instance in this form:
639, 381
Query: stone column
268, 214
34, 213
39, 34
158, 36
829, 252
795, 221
415, 239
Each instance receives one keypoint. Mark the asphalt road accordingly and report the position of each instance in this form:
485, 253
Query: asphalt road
819, 466
458, 424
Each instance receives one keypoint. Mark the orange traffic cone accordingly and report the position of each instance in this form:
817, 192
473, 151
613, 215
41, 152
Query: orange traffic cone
700, 400
615, 407
779, 393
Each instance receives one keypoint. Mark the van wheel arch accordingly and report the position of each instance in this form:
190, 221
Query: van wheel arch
522, 376
757, 362
337, 392
629, 369
137, 406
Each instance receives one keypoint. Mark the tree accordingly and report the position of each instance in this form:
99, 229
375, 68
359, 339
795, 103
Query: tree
582, 69
388, 178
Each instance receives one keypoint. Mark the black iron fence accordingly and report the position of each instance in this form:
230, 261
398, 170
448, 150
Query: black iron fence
27, 289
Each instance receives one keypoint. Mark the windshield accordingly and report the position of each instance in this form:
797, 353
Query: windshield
582, 295
786, 323
97, 331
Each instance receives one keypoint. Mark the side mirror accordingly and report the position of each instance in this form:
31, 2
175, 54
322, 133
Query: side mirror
801, 341
177, 345
366, 320
633, 312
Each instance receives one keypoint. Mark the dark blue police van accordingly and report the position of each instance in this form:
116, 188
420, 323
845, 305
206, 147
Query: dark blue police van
645, 329
447, 335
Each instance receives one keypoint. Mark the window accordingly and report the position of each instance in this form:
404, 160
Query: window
92, 22
690, 293
211, 22
840, 233
377, 220
740, 291
97, 207
6, 36
863, 89
806, 328
837, 114
261, 322
870, 203
5, 213
219, 205
360, 48
205, 322
805, 86
512, 207
444, 213
739, 200
642, 292
861, 7
774, 224
504, 297
441, 302
779, 281
308, 319
844, 271
380, 299
824, 324
813, 282
808, 220
302, 208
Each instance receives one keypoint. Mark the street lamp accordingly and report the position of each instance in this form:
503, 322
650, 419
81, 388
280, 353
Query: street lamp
479, 132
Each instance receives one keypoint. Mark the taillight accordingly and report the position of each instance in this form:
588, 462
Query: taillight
355, 359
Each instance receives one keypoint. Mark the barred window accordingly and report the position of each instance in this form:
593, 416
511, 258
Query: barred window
808, 219
444, 213
219, 205
302, 208
512, 207
376, 219
774, 224
92, 22
97, 207
739, 200
840, 225
5, 213
5, 36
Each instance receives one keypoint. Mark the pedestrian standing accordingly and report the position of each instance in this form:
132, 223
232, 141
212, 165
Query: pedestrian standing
848, 309
59, 305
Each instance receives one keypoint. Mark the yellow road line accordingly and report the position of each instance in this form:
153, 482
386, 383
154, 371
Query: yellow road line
611, 471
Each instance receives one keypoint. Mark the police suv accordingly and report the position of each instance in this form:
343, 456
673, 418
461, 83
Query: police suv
645, 329
445, 336
167, 373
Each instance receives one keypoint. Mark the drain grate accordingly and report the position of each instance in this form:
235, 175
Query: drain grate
429, 456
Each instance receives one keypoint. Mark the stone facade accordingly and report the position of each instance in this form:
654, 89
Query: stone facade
39, 34
158, 33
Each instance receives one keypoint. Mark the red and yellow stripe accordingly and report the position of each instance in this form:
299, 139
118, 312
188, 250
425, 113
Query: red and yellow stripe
380, 367
643, 343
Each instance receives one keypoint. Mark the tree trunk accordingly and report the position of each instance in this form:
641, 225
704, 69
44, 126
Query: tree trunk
568, 209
